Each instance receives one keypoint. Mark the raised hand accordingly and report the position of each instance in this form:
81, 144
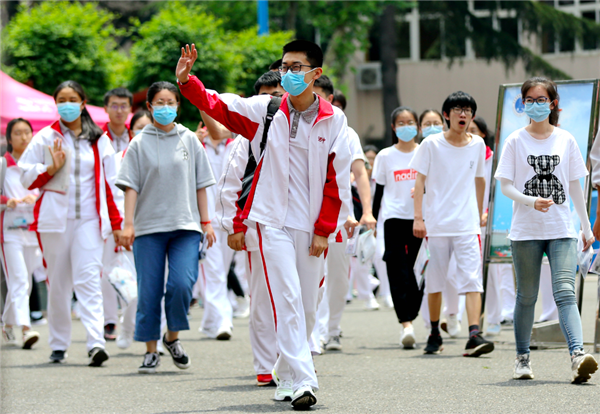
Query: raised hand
58, 157
185, 63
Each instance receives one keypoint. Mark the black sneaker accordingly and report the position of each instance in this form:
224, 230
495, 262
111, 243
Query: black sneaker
97, 356
58, 357
434, 345
151, 362
110, 332
477, 345
180, 358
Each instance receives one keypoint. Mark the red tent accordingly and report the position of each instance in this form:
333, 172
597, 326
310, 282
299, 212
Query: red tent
21, 101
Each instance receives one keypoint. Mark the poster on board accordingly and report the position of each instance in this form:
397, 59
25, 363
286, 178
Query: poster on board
579, 115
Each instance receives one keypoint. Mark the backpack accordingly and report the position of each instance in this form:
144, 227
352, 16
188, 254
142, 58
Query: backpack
251, 166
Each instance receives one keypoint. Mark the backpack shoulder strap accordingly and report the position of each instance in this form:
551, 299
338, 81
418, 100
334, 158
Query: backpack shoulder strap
271, 111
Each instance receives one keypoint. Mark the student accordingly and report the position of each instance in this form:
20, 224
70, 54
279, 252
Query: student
454, 209
20, 251
393, 194
169, 205
338, 262
539, 169
269, 83
299, 200
117, 104
139, 120
72, 224
500, 280
431, 122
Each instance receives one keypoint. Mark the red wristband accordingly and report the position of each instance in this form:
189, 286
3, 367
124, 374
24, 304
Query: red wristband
205, 222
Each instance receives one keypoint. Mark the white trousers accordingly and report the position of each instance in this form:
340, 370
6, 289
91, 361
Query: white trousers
549, 309
109, 294
74, 260
19, 262
499, 276
293, 279
262, 328
213, 271
337, 280
380, 267
364, 280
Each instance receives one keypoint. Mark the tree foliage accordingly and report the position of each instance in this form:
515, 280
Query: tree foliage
57, 41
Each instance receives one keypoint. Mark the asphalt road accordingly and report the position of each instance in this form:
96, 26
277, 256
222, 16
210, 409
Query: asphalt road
371, 375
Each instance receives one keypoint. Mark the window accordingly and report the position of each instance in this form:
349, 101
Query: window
548, 41
478, 44
590, 42
510, 26
430, 39
566, 2
567, 42
403, 40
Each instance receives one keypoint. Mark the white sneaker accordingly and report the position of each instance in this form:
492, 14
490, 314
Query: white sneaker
9, 336
407, 337
284, 389
303, 398
160, 348
29, 338
333, 344
451, 326
583, 366
243, 308
224, 333
388, 302
371, 304
209, 332
493, 329
522, 368
124, 339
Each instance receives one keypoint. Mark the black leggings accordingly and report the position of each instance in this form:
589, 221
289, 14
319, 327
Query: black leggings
401, 250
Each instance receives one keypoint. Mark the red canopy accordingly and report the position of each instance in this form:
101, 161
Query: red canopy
21, 101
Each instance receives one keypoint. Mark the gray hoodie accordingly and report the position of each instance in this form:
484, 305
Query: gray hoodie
165, 169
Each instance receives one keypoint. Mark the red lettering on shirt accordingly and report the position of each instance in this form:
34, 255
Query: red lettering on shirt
405, 175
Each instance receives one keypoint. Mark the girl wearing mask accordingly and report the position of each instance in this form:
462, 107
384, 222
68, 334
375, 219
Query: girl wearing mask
395, 182
73, 216
431, 122
139, 120
164, 175
539, 169
20, 252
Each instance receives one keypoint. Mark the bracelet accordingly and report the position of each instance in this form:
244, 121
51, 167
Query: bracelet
204, 223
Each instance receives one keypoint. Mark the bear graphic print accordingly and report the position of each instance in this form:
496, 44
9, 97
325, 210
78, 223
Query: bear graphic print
545, 184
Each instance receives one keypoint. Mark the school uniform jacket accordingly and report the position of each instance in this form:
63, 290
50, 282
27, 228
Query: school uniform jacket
50, 212
329, 157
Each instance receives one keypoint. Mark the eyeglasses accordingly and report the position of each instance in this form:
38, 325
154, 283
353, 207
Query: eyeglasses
410, 123
277, 94
429, 124
117, 108
294, 68
161, 104
21, 133
540, 101
458, 110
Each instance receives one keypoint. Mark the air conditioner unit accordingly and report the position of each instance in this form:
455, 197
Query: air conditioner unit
368, 76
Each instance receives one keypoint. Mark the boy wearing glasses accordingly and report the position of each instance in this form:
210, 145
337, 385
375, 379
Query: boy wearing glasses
299, 200
451, 165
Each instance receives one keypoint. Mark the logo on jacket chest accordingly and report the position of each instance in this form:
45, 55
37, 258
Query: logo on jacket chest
321, 139
405, 175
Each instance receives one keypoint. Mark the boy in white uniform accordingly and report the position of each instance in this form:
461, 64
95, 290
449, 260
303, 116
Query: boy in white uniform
451, 165
299, 200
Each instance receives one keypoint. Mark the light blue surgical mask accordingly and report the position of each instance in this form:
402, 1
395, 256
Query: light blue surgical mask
538, 112
406, 133
293, 83
69, 111
433, 129
164, 114
136, 132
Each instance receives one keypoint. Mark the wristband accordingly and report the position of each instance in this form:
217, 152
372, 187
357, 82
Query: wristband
204, 223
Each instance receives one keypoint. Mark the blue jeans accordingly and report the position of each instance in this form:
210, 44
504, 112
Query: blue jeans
150, 252
527, 258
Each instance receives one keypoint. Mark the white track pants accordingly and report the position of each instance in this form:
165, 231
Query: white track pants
74, 260
213, 271
337, 280
262, 328
380, 267
494, 303
293, 279
19, 262
509, 295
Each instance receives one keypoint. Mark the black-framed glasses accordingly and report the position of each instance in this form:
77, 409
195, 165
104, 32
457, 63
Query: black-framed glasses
540, 101
294, 68
457, 110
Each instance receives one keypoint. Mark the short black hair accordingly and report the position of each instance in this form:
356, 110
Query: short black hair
461, 99
270, 78
275, 65
368, 148
120, 93
9, 128
156, 87
338, 96
325, 83
313, 52
140, 113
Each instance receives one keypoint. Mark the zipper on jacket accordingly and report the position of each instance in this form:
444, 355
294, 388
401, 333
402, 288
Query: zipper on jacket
77, 178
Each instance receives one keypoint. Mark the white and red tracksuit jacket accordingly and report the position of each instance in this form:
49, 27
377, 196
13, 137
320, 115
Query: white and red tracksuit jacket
329, 157
106, 130
50, 212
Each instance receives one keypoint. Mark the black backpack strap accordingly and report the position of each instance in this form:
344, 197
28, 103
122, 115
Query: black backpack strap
271, 111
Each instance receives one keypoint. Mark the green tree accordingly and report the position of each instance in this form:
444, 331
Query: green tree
155, 52
56, 41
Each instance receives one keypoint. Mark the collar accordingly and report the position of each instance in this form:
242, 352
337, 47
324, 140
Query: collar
112, 136
56, 126
10, 161
488, 153
222, 143
309, 114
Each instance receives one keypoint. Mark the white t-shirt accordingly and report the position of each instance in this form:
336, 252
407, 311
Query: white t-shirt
451, 201
542, 168
355, 146
299, 190
391, 170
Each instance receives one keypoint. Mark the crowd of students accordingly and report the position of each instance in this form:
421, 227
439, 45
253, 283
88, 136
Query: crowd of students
275, 186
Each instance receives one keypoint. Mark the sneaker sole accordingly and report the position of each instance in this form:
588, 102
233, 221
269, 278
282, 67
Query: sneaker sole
439, 351
223, 336
266, 384
98, 358
333, 348
29, 343
444, 327
58, 361
480, 350
408, 342
285, 398
523, 376
585, 370
305, 401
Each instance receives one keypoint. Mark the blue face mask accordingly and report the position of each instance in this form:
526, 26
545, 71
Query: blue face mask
164, 115
293, 83
406, 133
69, 111
430, 130
538, 112
137, 132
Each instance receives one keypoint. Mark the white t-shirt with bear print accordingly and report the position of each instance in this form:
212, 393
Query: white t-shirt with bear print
542, 168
